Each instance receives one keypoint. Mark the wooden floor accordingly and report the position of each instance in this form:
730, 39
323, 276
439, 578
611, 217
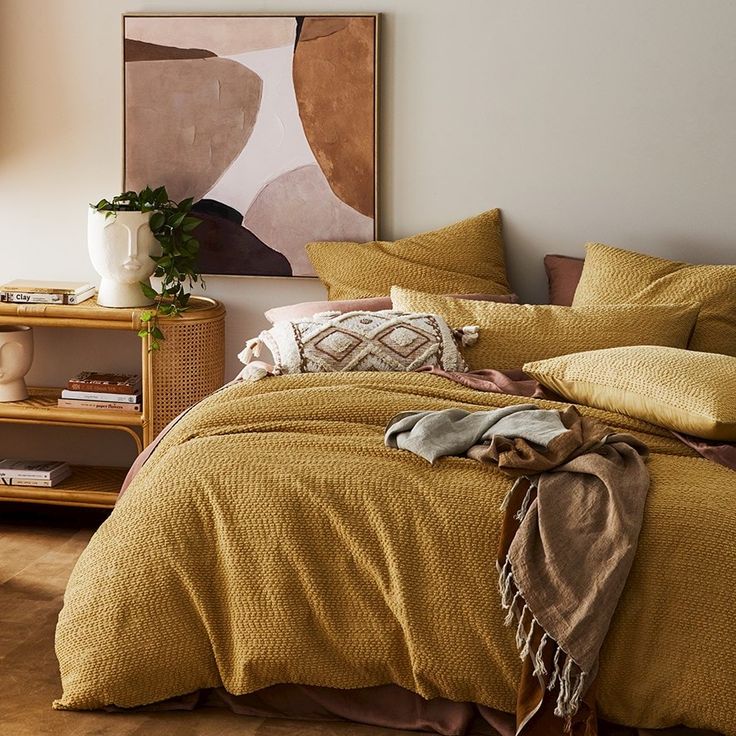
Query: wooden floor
37, 552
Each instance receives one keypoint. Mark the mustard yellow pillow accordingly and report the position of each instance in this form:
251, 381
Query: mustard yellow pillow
616, 276
513, 334
683, 390
465, 257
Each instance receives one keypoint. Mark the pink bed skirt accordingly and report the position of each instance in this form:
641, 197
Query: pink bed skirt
388, 706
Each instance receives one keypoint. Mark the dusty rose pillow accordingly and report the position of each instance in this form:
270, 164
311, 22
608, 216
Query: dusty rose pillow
563, 274
292, 312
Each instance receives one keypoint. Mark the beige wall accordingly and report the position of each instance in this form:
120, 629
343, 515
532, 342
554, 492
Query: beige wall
581, 119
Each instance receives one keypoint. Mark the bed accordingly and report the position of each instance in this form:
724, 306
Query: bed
272, 538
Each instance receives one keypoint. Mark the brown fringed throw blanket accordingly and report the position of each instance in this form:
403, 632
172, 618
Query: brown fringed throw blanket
570, 532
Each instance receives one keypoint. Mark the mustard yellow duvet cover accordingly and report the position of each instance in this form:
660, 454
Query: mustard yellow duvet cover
273, 538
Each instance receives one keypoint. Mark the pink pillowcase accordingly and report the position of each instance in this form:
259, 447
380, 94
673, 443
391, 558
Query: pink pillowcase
291, 312
563, 274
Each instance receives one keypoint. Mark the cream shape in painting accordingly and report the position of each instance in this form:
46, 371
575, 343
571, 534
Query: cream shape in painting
277, 143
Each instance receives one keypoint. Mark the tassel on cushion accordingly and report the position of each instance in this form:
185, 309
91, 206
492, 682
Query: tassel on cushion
252, 350
253, 372
468, 335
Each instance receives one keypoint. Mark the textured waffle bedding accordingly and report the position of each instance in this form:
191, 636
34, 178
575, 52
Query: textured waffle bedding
273, 538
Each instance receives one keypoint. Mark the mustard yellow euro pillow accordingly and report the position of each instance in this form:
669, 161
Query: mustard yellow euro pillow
464, 258
683, 390
616, 276
513, 334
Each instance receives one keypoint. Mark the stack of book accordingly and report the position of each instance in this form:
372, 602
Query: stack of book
38, 473
106, 391
22, 291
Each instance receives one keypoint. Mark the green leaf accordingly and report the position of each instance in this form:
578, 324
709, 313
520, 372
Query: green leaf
157, 334
191, 223
148, 292
142, 333
156, 221
178, 220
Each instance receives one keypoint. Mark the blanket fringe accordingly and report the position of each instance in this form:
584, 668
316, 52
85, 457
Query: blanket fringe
504, 583
566, 674
510, 615
539, 668
555, 670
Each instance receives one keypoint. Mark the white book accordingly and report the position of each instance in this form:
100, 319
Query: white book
67, 393
35, 482
99, 405
79, 298
35, 470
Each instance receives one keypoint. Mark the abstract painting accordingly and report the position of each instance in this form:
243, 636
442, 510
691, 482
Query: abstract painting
268, 122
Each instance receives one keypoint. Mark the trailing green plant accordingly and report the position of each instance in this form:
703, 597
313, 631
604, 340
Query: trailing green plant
172, 225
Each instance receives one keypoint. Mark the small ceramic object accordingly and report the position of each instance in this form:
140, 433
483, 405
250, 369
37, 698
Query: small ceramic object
120, 248
16, 356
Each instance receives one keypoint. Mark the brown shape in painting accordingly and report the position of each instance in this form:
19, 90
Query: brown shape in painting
334, 81
142, 51
187, 120
227, 248
312, 28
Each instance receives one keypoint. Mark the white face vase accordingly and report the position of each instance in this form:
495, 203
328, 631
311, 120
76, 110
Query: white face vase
16, 356
120, 248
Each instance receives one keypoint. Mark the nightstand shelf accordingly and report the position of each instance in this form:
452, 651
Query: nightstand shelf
42, 407
189, 366
88, 486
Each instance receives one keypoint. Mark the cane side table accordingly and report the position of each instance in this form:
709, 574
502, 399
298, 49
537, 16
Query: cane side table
189, 366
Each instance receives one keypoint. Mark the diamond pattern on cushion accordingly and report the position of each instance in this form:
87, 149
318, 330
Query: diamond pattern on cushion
338, 344
404, 340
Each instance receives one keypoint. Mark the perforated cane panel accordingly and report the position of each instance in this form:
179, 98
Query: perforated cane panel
189, 366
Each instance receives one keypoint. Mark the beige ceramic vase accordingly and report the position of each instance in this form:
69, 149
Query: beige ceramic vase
16, 356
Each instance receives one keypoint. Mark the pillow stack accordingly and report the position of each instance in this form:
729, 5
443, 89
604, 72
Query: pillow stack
628, 332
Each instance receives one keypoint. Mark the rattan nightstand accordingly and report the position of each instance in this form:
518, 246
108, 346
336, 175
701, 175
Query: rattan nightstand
190, 365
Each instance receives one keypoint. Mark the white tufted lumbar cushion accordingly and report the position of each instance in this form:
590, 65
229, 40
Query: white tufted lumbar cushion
359, 341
